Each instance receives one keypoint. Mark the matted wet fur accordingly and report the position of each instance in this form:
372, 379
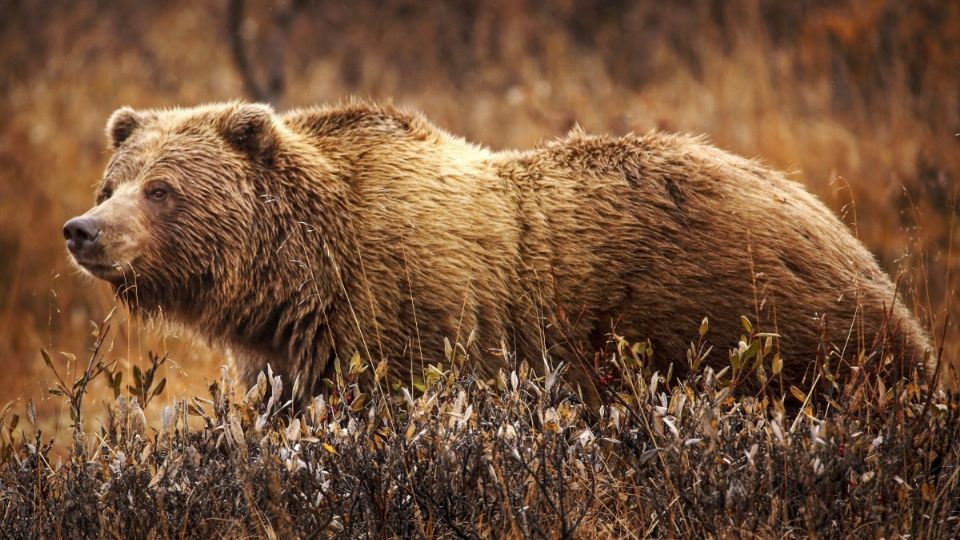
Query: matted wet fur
294, 238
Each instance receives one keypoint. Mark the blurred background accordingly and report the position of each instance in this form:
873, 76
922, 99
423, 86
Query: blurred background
858, 99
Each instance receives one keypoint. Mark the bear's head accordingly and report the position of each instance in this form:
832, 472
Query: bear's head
175, 211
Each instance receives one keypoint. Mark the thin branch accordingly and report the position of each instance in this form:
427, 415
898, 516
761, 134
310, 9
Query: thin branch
272, 89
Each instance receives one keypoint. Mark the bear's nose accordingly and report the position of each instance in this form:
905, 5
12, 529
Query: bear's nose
81, 233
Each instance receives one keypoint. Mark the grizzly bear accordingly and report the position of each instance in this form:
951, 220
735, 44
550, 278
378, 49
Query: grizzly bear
319, 233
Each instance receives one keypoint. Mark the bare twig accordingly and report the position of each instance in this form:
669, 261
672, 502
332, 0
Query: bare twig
272, 88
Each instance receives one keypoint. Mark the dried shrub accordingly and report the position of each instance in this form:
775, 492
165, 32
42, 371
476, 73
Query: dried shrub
516, 456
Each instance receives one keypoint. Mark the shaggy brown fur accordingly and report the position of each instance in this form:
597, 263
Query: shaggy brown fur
299, 237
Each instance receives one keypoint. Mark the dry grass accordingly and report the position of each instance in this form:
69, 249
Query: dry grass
517, 456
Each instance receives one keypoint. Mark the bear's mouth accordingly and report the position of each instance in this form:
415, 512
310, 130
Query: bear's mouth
108, 272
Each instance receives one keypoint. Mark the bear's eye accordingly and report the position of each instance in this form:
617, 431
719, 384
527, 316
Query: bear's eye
104, 194
158, 192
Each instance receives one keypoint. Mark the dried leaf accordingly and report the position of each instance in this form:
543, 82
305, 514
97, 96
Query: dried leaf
380, 371
159, 388
32, 413
46, 358
293, 430
777, 364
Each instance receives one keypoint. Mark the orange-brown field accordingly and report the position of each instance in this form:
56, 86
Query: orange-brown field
861, 101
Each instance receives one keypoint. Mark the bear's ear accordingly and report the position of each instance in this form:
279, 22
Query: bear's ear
250, 129
122, 123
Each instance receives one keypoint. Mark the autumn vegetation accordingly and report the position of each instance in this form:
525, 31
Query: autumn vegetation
110, 426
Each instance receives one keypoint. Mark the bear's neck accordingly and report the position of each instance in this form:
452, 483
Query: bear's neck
287, 308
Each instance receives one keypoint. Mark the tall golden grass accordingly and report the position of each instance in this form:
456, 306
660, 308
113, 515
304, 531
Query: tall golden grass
860, 100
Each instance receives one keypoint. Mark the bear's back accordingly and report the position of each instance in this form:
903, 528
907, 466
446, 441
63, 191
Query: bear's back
656, 231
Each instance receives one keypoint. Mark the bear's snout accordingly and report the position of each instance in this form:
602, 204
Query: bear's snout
82, 234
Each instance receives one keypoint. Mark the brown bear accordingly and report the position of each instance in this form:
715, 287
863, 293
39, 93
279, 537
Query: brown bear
319, 233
